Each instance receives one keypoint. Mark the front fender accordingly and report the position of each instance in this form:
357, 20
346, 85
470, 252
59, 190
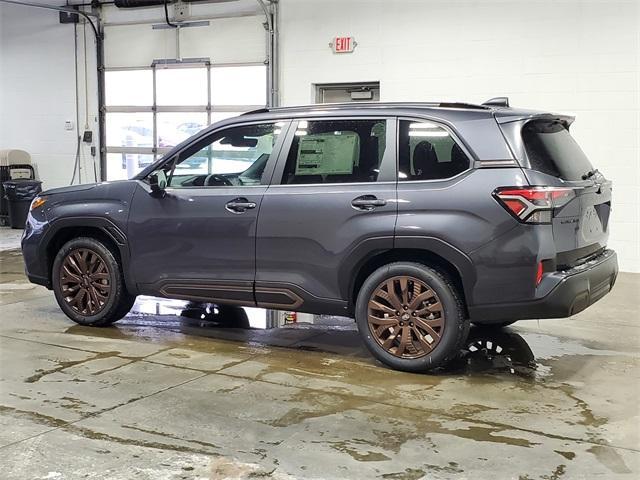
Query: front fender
108, 227
103, 206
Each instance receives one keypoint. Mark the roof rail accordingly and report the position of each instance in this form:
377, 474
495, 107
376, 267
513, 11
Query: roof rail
497, 102
372, 104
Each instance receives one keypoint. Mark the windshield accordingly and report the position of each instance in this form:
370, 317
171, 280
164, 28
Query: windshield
552, 150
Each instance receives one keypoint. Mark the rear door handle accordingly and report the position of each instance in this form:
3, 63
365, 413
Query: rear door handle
239, 205
367, 202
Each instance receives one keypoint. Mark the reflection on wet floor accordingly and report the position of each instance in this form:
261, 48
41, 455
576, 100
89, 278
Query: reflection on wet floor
487, 351
174, 390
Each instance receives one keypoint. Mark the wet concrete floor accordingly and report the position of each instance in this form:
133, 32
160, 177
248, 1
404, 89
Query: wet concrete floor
168, 397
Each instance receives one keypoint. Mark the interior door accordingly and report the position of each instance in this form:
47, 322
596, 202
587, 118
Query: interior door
197, 241
333, 195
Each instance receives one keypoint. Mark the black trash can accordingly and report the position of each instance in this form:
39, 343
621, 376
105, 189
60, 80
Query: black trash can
19, 194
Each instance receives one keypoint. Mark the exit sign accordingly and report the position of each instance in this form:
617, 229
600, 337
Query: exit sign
343, 44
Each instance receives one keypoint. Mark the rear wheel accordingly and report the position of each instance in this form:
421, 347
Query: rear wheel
88, 283
411, 317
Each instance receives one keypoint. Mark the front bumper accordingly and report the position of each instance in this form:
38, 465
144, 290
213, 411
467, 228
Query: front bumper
33, 251
577, 289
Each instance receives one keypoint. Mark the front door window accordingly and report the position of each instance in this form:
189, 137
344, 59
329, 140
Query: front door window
236, 156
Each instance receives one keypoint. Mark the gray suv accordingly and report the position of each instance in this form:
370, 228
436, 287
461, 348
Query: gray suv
414, 218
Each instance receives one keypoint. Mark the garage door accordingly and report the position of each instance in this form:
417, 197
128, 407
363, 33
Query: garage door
154, 102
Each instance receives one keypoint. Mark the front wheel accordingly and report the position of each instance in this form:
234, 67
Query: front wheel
410, 317
88, 283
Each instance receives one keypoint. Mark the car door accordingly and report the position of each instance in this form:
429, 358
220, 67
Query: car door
331, 202
197, 241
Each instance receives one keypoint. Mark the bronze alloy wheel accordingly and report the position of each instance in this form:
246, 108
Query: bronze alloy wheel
85, 281
405, 317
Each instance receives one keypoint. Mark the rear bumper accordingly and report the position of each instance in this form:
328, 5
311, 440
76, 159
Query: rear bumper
577, 289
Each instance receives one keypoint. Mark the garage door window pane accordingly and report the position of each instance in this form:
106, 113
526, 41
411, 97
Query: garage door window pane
130, 130
174, 128
181, 86
239, 85
218, 116
129, 87
121, 166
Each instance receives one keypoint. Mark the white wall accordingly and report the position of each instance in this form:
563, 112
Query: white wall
37, 91
37, 77
580, 57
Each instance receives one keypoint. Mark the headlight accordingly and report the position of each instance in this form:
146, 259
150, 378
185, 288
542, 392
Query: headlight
38, 202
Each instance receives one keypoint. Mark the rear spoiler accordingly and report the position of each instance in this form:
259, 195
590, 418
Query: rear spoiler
508, 116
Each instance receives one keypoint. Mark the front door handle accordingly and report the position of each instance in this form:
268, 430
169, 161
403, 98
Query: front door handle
239, 205
367, 202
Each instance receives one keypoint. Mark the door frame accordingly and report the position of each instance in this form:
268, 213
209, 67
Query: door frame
290, 296
320, 88
224, 291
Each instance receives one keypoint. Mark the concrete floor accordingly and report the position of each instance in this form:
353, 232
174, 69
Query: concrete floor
164, 397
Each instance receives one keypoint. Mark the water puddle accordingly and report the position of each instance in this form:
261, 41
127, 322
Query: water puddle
500, 352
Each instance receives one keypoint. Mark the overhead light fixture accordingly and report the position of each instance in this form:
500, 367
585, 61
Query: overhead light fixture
425, 133
427, 129
174, 62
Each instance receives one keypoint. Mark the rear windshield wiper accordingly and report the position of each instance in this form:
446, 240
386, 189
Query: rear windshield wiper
590, 174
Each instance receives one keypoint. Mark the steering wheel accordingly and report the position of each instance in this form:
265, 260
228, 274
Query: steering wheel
215, 179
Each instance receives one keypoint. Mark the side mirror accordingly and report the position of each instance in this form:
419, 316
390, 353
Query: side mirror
158, 182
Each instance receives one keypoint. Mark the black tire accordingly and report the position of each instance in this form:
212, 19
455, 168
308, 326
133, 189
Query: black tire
117, 301
494, 325
455, 327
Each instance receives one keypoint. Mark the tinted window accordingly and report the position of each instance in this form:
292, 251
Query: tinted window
552, 150
427, 152
335, 151
235, 156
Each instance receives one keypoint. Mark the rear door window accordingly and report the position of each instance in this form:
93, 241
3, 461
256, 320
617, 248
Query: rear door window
552, 150
335, 151
426, 151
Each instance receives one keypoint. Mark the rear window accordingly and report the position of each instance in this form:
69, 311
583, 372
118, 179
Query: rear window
552, 150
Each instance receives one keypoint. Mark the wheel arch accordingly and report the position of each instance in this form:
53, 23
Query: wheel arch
63, 230
437, 254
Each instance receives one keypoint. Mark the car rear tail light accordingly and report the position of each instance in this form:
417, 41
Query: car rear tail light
533, 204
539, 273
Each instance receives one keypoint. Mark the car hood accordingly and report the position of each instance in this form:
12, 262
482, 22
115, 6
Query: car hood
69, 189
80, 188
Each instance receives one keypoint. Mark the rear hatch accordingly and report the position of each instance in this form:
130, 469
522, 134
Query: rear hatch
581, 223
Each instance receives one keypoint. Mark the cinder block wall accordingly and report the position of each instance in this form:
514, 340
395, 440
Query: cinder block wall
580, 57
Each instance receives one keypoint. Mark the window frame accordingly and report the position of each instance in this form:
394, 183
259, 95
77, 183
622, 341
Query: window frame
452, 133
387, 165
155, 150
205, 139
